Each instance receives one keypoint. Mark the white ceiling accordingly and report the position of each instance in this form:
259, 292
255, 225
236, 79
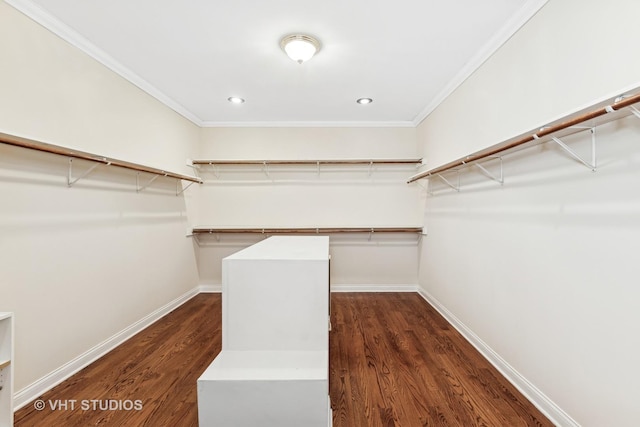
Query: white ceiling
193, 54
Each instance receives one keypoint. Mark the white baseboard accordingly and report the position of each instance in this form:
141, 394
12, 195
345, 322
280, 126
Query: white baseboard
552, 411
217, 288
373, 288
46, 383
210, 288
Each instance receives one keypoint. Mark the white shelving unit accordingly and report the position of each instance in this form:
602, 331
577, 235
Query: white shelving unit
6, 369
273, 370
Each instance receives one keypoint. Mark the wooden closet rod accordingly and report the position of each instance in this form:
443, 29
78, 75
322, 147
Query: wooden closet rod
68, 152
309, 162
495, 149
307, 230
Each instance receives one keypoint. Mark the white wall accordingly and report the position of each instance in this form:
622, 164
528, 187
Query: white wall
80, 264
300, 197
543, 269
570, 55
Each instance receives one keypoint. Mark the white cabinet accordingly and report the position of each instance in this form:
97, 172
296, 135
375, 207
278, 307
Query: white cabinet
6, 369
273, 369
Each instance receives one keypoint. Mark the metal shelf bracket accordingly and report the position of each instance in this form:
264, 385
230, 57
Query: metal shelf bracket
591, 165
446, 181
635, 111
196, 168
178, 190
71, 181
141, 188
490, 175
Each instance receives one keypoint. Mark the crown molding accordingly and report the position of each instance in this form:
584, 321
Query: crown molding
42, 17
526, 12
310, 124
68, 34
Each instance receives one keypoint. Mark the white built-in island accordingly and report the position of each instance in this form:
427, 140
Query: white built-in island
273, 369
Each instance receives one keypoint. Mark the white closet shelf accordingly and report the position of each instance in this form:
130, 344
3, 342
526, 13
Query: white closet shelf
603, 112
305, 230
75, 154
309, 162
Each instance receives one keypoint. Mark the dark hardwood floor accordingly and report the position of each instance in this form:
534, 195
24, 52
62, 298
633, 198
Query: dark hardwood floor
394, 362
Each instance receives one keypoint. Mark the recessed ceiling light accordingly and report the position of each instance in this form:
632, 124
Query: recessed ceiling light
300, 47
235, 100
364, 101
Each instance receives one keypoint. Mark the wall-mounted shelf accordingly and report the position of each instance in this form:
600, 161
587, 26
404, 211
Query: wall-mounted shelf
305, 230
97, 159
308, 162
598, 114
279, 167
341, 236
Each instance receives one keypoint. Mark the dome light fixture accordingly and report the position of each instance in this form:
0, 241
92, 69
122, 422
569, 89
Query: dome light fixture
364, 101
300, 47
235, 100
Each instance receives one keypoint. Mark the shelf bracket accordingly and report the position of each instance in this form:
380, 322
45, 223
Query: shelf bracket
178, 190
370, 168
265, 169
484, 170
635, 111
71, 181
446, 181
318, 166
216, 170
573, 154
196, 168
427, 187
141, 188
424, 187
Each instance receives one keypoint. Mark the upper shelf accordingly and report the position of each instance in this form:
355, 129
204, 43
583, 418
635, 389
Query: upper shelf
71, 153
310, 162
306, 230
598, 114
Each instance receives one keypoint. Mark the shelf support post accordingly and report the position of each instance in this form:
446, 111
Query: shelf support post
573, 154
70, 180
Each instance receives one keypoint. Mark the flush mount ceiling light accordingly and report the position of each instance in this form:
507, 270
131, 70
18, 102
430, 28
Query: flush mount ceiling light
300, 47
235, 100
364, 101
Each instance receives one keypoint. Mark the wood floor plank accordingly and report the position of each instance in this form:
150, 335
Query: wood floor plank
394, 362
